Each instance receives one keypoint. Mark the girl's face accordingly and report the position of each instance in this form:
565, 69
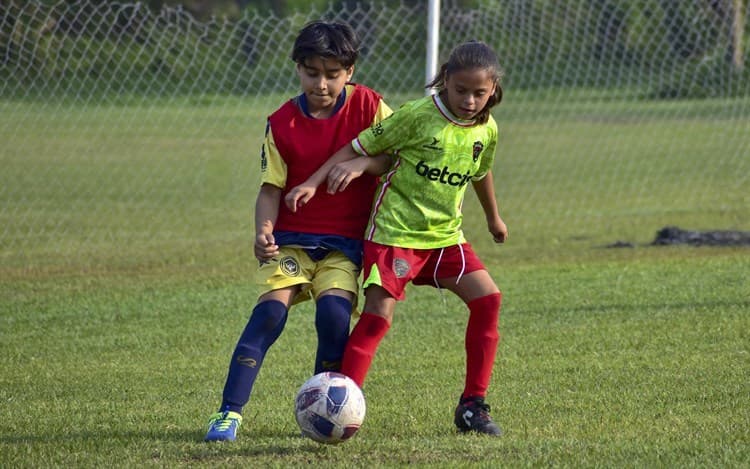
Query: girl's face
467, 92
322, 81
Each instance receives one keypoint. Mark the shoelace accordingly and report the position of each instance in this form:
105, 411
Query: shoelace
222, 423
481, 410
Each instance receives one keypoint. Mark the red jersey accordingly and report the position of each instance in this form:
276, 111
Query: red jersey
305, 143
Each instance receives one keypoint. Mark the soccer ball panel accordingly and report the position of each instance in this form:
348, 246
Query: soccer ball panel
329, 408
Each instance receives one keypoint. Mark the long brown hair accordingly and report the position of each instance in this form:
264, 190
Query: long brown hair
469, 56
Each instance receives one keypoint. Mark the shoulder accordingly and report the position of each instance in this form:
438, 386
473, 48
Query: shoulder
363, 94
487, 130
491, 123
427, 105
492, 127
423, 102
285, 111
364, 90
415, 105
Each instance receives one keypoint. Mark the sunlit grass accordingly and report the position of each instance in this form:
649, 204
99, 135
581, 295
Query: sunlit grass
126, 277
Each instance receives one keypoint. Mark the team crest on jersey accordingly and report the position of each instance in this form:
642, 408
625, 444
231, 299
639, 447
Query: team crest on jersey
289, 266
400, 267
478, 146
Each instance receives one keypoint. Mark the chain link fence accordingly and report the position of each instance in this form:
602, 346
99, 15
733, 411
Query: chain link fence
130, 136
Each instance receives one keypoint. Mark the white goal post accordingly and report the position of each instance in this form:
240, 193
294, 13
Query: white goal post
433, 41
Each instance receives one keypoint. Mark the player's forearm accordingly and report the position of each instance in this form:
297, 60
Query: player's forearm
267, 208
377, 165
346, 153
485, 190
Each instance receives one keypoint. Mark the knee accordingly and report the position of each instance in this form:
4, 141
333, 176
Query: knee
332, 314
267, 316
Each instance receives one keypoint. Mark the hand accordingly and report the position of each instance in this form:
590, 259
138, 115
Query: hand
498, 230
299, 196
342, 174
265, 247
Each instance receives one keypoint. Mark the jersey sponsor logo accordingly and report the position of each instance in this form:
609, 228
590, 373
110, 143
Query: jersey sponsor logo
400, 267
433, 145
443, 176
477, 150
289, 266
263, 159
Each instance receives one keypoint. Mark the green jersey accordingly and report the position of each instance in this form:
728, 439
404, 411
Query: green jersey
418, 202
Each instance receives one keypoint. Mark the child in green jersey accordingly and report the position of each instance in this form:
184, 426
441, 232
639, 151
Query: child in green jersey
441, 144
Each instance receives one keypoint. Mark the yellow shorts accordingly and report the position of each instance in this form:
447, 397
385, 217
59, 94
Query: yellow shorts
294, 267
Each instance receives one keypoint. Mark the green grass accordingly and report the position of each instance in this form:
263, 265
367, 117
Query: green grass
174, 182
126, 278
641, 361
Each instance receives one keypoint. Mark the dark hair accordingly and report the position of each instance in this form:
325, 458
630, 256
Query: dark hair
327, 39
468, 56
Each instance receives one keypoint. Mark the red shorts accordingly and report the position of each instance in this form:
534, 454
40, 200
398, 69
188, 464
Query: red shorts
393, 267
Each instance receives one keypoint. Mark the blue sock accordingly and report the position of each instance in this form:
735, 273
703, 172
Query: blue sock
262, 329
332, 316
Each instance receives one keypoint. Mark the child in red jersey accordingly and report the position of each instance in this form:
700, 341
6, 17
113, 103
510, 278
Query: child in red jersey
316, 251
442, 143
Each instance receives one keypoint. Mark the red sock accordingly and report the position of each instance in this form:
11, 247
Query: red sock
362, 344
481, 343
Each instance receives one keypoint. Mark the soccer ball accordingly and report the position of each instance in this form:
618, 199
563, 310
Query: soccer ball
329, 407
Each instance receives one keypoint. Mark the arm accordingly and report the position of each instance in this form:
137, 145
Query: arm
485, 190
266, 212
345, 172
302, 193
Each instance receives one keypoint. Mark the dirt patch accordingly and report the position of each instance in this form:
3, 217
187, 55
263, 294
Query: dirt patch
671, 235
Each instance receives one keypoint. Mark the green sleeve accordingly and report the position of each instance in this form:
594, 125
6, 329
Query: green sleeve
387, 135
488, 153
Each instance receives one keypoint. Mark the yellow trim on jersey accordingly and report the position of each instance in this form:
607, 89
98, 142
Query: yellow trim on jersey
275, 171
382, 112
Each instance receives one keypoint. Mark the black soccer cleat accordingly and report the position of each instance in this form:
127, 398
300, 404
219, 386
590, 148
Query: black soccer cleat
473, 415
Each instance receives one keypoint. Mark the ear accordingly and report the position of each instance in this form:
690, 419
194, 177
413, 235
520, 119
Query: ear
446, 78
498, 93
349, 73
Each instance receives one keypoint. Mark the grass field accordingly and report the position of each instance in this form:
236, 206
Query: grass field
126, 277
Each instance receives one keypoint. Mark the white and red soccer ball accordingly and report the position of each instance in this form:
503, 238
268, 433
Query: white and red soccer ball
329, 407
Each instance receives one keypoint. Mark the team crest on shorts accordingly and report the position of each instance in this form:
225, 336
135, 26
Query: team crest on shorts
400, 267
289, 266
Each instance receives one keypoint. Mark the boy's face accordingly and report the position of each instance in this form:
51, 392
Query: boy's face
322, 81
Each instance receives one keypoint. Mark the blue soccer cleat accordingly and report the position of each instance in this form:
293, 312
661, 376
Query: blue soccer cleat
222, 426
